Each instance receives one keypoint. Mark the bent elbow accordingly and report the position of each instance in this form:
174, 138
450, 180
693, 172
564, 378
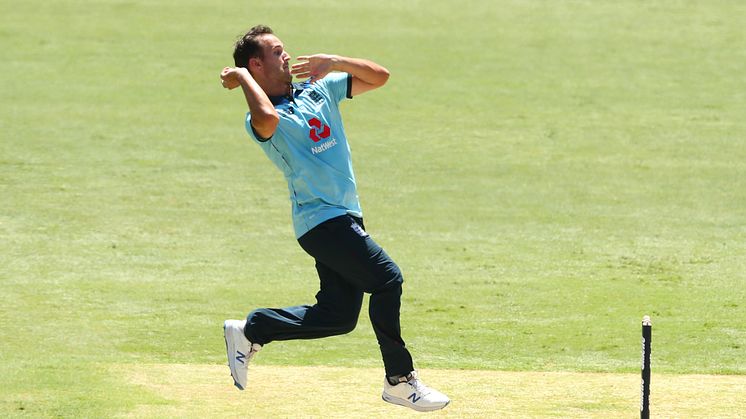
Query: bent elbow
266, 124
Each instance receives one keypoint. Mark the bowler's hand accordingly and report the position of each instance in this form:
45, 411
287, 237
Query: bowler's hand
230, 77
314, 67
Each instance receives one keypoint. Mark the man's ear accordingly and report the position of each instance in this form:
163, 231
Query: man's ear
255, 63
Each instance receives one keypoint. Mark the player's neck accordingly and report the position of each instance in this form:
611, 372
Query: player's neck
277, 89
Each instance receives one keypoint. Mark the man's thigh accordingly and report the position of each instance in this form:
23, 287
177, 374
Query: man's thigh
343, 245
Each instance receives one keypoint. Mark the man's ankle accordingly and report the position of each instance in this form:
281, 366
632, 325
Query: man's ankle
398, 379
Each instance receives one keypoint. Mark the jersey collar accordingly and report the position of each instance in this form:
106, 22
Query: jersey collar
295, 90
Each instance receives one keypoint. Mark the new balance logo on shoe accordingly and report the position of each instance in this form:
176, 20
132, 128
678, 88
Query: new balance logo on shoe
414, 397
240, 357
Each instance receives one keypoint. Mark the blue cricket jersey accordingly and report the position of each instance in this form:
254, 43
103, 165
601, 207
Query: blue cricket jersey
311, 149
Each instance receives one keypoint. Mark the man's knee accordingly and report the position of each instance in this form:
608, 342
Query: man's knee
346, 320
253, 328
347, 326
338, 318
392, 280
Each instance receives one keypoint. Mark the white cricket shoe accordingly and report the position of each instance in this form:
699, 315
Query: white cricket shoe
239, 349
414, 394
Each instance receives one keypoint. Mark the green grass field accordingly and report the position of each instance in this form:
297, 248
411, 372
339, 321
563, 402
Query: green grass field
544, 172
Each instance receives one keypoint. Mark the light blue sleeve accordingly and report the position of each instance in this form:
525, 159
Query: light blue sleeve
250, 129
338, 85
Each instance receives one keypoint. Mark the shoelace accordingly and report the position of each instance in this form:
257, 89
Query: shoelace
419, 386
254, 349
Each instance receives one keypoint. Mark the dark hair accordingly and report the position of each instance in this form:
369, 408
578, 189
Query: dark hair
248, 45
